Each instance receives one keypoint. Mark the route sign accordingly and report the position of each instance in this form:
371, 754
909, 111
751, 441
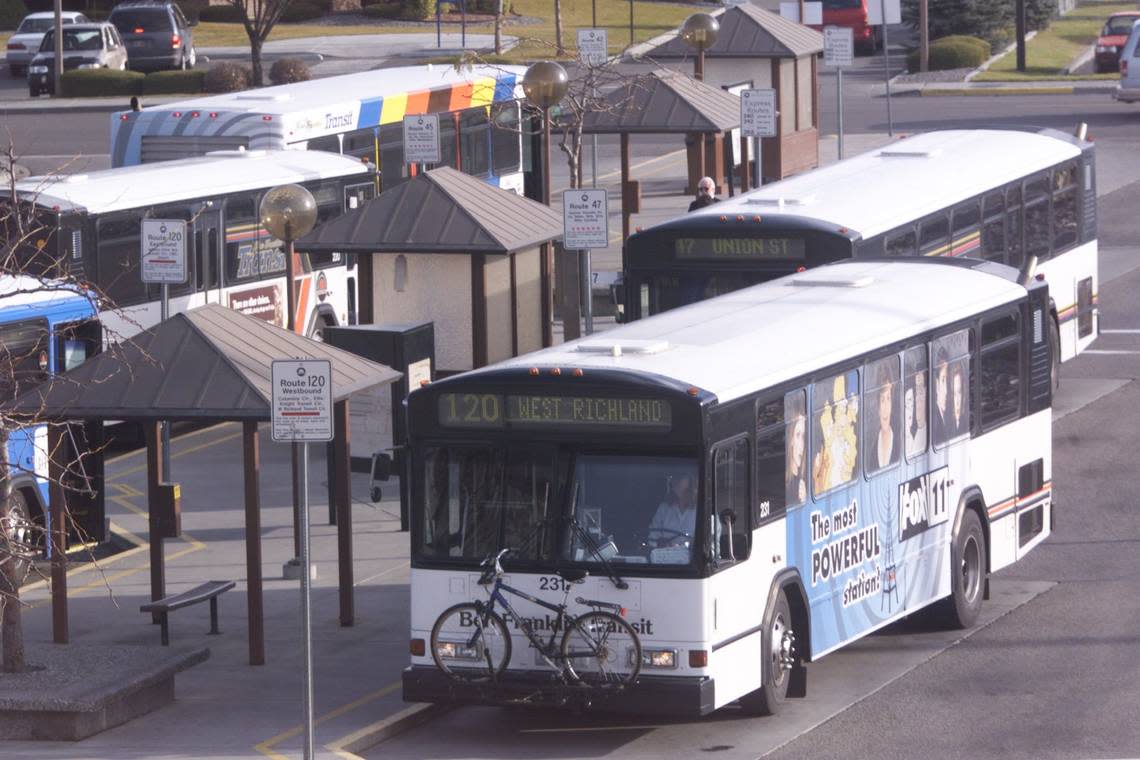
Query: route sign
758, 113
163, 251
876, 9
302, 400
838, 46
585, 219
593, 46
421, 139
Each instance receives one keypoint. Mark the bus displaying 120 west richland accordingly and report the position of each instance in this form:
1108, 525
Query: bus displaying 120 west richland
996, 194
758, 479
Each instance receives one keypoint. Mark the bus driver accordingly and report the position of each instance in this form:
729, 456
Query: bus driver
675, 520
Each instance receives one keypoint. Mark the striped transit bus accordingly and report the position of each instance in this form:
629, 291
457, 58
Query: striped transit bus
360, 115
1004, 195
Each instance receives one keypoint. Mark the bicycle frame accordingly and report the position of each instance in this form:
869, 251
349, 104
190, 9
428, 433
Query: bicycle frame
546, 650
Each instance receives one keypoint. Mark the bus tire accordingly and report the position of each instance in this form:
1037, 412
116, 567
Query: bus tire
21, 535
470, 628
318, 331
1055, 350
967, 574
780, 658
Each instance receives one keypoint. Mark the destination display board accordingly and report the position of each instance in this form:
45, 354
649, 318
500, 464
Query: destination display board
493, 410
793, 249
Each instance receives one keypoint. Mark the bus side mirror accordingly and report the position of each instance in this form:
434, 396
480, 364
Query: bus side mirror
381, 472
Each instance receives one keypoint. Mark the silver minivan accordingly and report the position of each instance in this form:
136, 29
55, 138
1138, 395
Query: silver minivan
1129, 88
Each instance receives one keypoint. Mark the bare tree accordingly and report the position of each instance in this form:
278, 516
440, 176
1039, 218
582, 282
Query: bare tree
259, 18
498, 27
560, 46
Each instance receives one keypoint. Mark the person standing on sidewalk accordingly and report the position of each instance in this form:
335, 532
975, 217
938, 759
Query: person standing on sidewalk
706, 194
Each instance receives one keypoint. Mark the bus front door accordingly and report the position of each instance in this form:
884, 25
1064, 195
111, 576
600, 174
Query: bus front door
208, 254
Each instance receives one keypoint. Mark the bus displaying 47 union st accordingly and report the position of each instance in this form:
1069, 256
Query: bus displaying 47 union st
756, 480
1004, 195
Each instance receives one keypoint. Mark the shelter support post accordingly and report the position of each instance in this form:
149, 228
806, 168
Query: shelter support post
743, 162
343, 489
252, 465
330, 478
569, 295
626, 203
155, 476
56, 498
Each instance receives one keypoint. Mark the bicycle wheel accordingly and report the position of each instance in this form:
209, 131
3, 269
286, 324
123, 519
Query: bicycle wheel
470, 644
602, 650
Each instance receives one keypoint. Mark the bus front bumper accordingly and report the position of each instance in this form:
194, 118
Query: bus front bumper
673, 696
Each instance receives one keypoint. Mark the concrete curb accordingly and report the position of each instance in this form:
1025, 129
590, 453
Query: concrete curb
995, 58
405, 720
982, 91
1081, 59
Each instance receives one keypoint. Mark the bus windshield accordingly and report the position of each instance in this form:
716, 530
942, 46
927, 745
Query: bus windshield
587, 508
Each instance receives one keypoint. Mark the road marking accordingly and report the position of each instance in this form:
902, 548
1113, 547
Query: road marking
1108, 351
266, 747
175, 455
347, 746
1122, 331
184, 436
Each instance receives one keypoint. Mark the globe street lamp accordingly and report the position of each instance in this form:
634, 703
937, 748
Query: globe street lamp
700, 31
545, 84
287, 213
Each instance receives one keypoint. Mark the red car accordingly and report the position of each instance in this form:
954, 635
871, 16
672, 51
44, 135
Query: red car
1112, 39
853, 14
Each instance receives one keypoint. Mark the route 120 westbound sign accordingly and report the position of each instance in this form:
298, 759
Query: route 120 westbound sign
163, 251
302, 400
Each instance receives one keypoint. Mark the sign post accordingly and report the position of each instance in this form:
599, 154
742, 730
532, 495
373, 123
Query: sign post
163, 261
585, 226
758, 119
302, 402
421, 139
593, 51
839, 51
882, 13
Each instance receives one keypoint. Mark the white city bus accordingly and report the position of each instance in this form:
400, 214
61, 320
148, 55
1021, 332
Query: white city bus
1003, 195
865, 440
355, 114
92, 222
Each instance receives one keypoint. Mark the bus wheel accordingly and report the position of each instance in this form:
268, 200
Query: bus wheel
1055, 349
968, 574
780, 656
318, 333
19, 541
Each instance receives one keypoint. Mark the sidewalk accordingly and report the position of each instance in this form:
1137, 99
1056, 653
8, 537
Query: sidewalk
224, 707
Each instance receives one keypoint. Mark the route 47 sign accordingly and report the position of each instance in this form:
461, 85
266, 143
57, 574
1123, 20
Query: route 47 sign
302, 400
585, 219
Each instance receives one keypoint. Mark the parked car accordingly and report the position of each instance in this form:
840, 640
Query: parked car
853, 14
158, 36
85, 46
1129, 88
1112, 39
25, 41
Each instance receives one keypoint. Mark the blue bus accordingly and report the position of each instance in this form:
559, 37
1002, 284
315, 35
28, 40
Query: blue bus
47, 328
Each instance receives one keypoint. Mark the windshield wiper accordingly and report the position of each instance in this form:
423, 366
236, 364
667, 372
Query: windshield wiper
583, 534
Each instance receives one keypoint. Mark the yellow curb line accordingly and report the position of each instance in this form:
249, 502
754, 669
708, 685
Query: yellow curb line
980, 91
266, 747
140, 451
348, 746
176, 455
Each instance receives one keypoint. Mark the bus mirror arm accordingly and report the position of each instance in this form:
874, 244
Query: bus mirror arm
1028, 269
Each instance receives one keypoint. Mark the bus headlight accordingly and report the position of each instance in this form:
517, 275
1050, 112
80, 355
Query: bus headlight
41, 69
658, 658
457, 650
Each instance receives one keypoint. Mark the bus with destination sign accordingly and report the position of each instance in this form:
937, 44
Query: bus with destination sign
751, 498
1004, 195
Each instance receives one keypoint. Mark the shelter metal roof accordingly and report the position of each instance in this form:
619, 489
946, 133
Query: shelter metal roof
748, 31
441, 211
210, 363
662, 102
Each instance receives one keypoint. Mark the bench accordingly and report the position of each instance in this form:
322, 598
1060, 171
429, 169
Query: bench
209, 590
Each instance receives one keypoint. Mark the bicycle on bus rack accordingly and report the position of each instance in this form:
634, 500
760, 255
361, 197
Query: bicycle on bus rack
599, 650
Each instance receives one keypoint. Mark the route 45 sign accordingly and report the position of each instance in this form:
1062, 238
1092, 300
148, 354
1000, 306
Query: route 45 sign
302, 400
585, 219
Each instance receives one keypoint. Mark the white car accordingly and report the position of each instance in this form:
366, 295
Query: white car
25, 42
1129, 88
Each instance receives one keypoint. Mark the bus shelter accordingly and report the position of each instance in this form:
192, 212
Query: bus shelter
207, 365
660, 102
448, 248
758, 49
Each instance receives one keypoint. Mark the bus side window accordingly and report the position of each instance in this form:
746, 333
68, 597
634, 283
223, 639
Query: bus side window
934, 236
1013, 227
964, 237
1037, 213
731, 500
1000, 371
361, 144
993, 227
901, 243
951, 416
771, 460
118, 259
392, 168
881, 439
474, 137
1066, 212
506, 138
834, 431
23, 355
915, 401
328, 143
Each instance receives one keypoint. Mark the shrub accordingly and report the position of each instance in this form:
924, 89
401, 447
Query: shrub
302, 10
383, 9
417, 10
11, 13
952, 54
289, 70
981, 45
222, 14
227, 77
171, 82
91, 83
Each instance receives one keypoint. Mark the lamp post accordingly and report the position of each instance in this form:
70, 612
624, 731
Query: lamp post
288, 212
545, 84
699, 31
